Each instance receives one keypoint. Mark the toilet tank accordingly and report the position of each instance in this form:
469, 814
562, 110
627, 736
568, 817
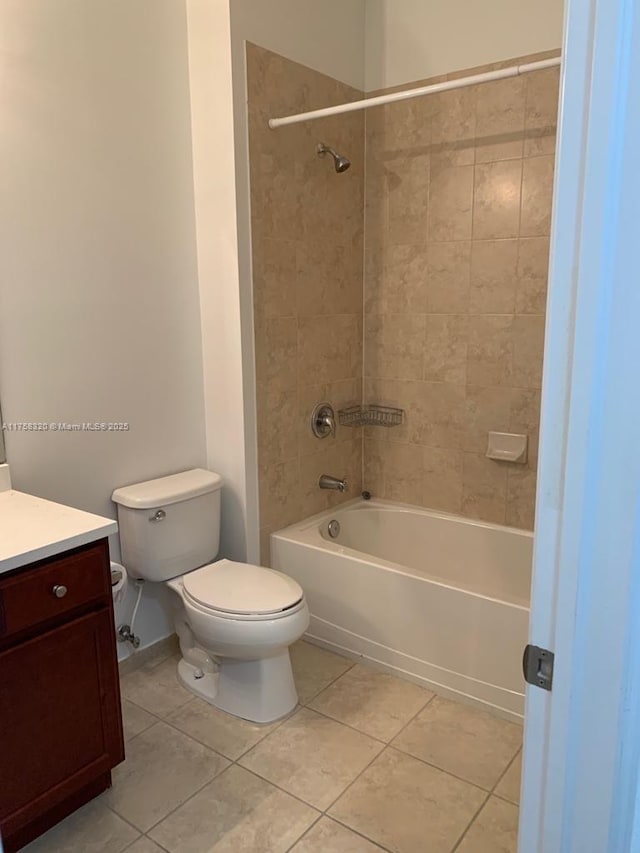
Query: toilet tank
169, 526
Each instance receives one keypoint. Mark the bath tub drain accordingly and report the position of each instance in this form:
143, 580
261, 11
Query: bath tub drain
334, 529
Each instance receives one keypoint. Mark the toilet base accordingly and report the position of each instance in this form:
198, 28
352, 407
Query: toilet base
261, 691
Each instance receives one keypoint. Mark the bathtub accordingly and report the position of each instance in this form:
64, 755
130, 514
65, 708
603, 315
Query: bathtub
438, 599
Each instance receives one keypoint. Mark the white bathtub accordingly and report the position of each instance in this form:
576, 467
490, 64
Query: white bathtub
436, 598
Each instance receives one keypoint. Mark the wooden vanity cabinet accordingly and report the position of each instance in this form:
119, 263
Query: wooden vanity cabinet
60, 719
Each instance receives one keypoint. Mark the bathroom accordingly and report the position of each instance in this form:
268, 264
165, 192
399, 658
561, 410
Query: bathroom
326, 334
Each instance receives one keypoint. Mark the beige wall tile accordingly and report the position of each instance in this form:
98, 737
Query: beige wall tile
451, 203
528, 347
404, 126
279, 492
374, 453
486, 409
533, 274
439, 410
312, 499
521, 497
329, 348
449, 266
403, 466
442, 481
494, 269
537, 192
396, 279
274, 278
525, 410
277, 431
500, 120
325, 280
542, 112
490, 360
452, 336
276, 352
496, 207
484, 489
446, 344
408, 191
453, 126
395, 345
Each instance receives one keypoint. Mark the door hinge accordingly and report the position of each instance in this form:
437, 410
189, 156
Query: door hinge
537, 666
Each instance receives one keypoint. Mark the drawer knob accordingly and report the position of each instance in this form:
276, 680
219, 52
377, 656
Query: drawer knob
59, 590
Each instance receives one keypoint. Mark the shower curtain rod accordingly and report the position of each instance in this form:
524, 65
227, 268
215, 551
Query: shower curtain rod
459, 83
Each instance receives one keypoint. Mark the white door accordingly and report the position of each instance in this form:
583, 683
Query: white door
582, 739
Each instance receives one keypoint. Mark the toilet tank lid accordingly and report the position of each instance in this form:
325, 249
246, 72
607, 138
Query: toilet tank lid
168, 490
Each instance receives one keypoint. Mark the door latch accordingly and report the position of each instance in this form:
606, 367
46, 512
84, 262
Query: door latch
537, 666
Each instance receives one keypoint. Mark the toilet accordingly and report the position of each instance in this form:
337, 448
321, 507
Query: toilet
235, 621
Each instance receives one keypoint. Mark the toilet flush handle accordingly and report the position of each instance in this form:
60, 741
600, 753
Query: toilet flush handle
159, 516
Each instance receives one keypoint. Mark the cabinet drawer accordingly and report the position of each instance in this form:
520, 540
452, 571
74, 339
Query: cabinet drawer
53, 588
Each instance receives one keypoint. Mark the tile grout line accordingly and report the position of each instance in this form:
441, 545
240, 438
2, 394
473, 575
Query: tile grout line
386, 745
488, 798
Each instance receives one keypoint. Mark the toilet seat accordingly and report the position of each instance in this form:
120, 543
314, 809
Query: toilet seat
241, 591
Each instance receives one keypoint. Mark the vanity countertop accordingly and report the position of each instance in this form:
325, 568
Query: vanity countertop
32, 529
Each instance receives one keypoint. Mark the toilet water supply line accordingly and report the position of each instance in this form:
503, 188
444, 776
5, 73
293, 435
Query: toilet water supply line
126, 632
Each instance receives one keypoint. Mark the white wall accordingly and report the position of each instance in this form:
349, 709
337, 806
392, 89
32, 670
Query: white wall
227, 332
409, 40
326, 35
99, 314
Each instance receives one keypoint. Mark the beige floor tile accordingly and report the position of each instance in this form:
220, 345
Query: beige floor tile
135, 720
495, 830
407, 806
230, 736
145, 845
236, 813
509, 786
315, 668
92, 829
327, 836
163, 768
156, 689
312, 757
373, 702
464, 741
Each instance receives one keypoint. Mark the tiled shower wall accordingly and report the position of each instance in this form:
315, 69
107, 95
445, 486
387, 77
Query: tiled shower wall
307, 233
458, 191
457, 217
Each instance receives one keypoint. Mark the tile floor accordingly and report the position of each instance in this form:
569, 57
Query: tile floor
366, 763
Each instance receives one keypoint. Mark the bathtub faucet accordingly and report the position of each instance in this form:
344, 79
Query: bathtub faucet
326, 481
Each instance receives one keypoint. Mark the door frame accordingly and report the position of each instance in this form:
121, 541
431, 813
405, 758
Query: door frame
582, 740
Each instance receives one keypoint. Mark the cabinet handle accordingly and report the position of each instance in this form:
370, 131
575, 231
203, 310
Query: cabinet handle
59, 590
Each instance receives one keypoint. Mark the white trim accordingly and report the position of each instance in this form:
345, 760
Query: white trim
581, 744
407, 94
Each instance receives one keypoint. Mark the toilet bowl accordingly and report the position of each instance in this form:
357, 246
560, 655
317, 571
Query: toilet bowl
235, 621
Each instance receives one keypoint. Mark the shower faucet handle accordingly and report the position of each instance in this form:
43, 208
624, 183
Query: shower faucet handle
323, 421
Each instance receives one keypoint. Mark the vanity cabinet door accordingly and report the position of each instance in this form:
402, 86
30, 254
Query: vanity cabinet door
59, 717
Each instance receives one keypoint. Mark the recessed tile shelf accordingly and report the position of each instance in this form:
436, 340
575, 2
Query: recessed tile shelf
371, 415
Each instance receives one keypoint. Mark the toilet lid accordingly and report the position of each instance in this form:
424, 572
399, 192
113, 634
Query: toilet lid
241, 588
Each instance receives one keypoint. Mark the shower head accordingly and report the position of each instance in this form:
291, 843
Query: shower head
341, 163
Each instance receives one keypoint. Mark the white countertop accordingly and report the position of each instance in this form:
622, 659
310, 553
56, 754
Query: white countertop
32, 529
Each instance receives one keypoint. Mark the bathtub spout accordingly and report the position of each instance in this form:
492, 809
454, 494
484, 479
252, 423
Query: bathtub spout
326, 481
